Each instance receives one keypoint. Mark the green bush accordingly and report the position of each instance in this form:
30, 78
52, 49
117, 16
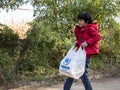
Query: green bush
7, 67
46, 44
8, 39
9, 49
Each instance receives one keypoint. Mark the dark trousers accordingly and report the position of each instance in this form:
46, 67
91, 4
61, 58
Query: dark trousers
84, 78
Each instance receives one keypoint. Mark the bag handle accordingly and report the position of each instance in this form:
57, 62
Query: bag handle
81, 50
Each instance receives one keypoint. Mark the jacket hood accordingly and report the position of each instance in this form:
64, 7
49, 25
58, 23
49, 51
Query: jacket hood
94, 25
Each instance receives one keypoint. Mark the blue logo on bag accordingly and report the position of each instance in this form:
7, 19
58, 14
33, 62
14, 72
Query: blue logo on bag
67, 61
65, 67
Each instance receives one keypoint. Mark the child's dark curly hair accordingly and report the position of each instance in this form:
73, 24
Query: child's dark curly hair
87, 17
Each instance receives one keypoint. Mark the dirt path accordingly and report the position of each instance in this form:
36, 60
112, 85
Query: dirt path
103, 84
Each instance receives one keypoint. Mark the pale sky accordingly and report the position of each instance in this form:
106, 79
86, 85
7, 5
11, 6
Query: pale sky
17, 15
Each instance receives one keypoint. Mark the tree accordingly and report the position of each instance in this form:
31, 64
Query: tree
65, 11
11, 4
61, 17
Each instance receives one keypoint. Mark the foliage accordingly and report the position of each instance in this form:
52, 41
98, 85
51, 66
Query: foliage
64, 13
111, 40
6, 35
7, 67
46, 44
8, 39
61, 16
8, 42
11, 4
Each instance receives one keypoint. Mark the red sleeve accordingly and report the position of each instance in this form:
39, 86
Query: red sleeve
94, 36
76, 32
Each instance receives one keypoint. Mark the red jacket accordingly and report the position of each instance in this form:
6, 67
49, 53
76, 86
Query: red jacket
90, 34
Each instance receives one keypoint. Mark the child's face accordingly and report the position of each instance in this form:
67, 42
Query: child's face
81, 23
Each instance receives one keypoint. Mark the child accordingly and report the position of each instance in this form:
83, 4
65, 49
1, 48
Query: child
87, 37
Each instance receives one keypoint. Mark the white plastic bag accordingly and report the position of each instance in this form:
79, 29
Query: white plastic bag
73, 64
